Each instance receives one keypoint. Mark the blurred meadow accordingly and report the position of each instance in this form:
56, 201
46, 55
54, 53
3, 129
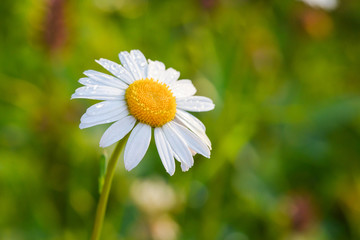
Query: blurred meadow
284, 76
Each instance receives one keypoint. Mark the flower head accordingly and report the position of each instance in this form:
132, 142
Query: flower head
141, 96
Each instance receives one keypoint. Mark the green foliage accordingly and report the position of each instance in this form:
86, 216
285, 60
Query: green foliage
285, 130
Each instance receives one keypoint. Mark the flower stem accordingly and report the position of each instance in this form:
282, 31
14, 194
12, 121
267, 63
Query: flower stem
101, 208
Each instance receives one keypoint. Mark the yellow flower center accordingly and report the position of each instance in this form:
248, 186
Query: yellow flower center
150, 102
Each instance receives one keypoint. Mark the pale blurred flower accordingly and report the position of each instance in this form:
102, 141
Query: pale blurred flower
153, 196
144, 95
164, 228
324, 4
157, 199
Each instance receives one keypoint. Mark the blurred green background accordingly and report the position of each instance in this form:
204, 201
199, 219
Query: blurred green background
284, 76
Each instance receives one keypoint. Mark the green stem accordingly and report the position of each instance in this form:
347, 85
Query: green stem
101, 208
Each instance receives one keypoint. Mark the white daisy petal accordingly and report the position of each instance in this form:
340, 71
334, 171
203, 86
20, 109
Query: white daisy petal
193, 152
117, 131
116, 69
155, 70
193, 141
178, 145
195, 104
183, 88
86, 118
184, 167
90, 121
99, 93
141, 62
129, 63
98, 78
137, 145
194, 124
169, 76
164, 150
104, 107
185, 116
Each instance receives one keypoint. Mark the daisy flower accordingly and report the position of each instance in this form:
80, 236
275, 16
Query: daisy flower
140, 96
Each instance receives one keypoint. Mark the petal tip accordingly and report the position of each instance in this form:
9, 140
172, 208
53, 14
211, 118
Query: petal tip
99, 60
170, 171
129, 168
102, 144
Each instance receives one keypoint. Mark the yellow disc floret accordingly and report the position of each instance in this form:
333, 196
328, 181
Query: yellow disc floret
151, 102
